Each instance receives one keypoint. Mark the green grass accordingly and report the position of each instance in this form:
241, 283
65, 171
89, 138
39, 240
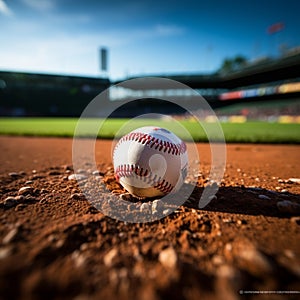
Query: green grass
249, 132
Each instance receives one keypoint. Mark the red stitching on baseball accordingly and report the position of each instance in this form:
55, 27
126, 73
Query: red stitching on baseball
153, 142
164, 186
127, 170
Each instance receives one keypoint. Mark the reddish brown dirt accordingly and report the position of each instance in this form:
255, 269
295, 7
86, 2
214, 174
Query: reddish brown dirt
55, 245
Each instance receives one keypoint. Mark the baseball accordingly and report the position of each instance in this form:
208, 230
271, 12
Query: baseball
150, 162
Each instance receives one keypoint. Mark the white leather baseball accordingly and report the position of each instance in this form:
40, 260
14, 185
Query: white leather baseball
150, 162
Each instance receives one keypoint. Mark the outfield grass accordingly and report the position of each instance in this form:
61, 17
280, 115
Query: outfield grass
249, 132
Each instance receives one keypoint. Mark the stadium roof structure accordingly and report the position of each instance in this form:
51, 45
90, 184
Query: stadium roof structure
29, 76
287, 67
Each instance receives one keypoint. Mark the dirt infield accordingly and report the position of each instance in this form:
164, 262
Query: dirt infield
55, 245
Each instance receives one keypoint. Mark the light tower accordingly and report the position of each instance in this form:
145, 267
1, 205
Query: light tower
103, 53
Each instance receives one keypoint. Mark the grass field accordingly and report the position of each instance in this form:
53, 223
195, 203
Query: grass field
249, 132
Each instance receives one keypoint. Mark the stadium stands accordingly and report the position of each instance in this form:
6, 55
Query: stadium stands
26, 94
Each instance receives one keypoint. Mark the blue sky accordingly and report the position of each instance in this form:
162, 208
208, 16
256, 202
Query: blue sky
143, 37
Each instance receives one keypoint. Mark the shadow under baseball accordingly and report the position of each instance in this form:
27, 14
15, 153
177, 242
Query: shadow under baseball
243, 200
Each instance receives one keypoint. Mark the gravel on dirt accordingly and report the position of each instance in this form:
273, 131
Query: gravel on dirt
54, 244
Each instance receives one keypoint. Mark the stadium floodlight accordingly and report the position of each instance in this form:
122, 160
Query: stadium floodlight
103, 59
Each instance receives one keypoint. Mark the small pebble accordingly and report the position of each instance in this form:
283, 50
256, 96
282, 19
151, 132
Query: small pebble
168, 258
125, 196
252, 259
67, 168
110, 257
77, 177
295, 220
287, 206
289, 253
226, 271
145, 207
29, 182
294, 180
84, 246
10, 202
14, 174
25, 190
217, 259
157, 205
228, 247
79, 259
10, 236
4, 252
227, 220
59, 243
77, 196
167, 212
264, 197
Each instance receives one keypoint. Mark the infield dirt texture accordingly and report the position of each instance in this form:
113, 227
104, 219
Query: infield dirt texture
55, 245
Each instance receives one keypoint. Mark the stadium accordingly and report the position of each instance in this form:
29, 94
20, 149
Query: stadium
174, 175
277, 80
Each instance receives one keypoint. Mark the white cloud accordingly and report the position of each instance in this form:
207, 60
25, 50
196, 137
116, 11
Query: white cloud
4, 9
42, 5
168, 30
56, 54
79, 18
27, 48
156, 31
